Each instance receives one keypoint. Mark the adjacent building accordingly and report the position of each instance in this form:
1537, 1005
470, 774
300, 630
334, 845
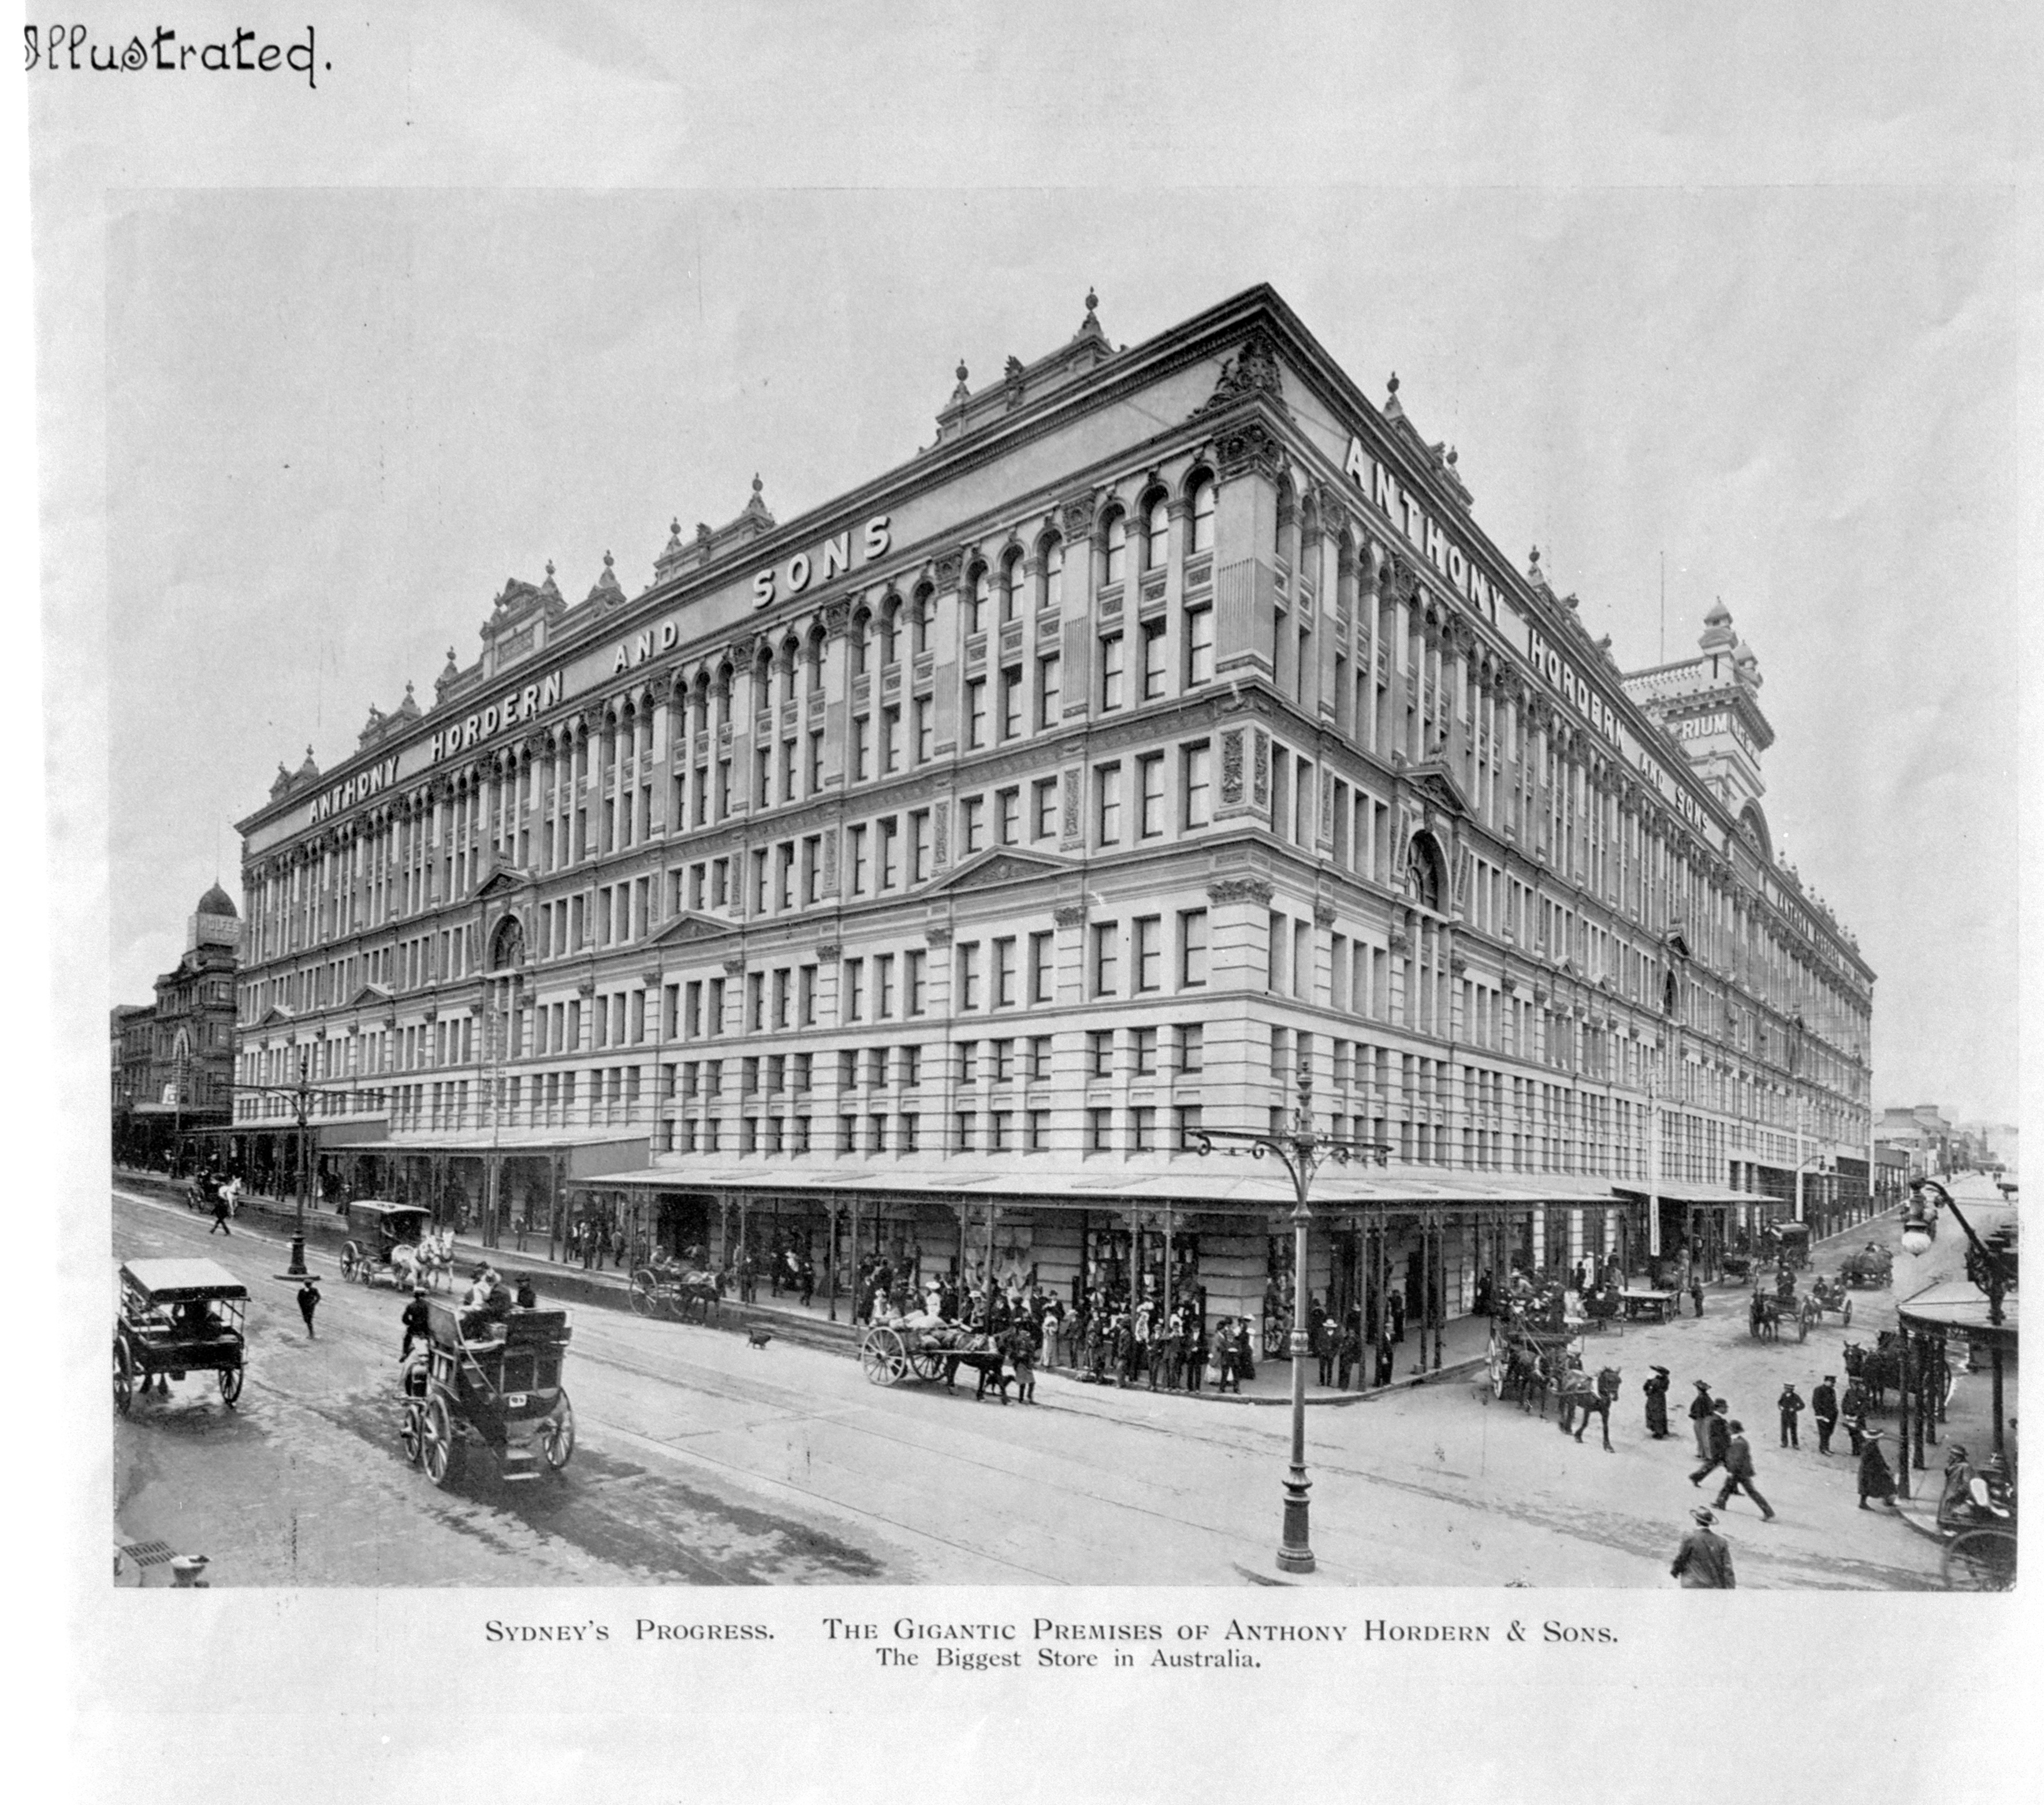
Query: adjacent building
172, 1063
1165, 748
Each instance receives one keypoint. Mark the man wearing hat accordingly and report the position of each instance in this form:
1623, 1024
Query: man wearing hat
1875, 1480
414, 1321
1738, 1472
1704, 1561
1700, 1418
1656, 1404
1717, 1443
1824, 1412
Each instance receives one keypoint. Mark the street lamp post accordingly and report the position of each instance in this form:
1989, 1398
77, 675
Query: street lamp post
1303, 1152
1988, 1267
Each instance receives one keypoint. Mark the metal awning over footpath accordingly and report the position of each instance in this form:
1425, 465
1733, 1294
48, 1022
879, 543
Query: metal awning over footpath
1701, 1197
1953, 1307
1216, 1185
588, 1156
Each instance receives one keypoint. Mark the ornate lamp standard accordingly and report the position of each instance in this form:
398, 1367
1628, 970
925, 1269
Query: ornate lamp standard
1990, 1264
1304, 1152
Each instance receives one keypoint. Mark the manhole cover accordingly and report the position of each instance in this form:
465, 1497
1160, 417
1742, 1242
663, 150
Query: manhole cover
148, 1554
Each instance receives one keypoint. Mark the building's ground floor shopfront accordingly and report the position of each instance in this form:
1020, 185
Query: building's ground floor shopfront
1429, 1248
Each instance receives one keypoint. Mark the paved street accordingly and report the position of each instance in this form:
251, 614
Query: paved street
703, 1461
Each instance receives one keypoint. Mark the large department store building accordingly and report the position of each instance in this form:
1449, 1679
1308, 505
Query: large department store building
1165, 746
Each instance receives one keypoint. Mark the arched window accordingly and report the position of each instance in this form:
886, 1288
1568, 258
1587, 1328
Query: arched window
919, 620
1423, 876
1053, 578
1285, 509
1012, 597
1203, 514
507, 945
1117, 547
1157, 533
812, 665
862, 635
890, 622
724, 695
978, 595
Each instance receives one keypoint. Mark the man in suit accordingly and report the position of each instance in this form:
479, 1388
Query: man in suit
1824, 1412
1703, 1563
1738, 1473
1699, 1417
1717, 1442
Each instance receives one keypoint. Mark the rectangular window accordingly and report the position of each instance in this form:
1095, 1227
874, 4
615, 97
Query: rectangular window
968, 1051
1004, 1062
1003, 972
854, 989
755, 1001
1044, 808
890, 854
1009, 804
972, 813
925, 731
975, 713
1042, 969
915, 981
1192, 949
1153, 660
1145, 1048
862, 864
999, 1138
919, 847
1149, 952
1048, 693
1106, 959
861, 748
1189, 1125
1198, 794
787, 770
761, 894
1100, 1130
890, 740
968, 958
883, 986
1199, 645
784, 874
1038, 1070
1150, 770
1142, 1129
805, 997
966, 1127
812, 869
1100, 1053
1111, 662
1036, 1131
1192, 1053
1107, 788
1011, 702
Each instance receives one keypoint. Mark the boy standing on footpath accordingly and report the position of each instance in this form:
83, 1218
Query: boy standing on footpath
309, 1299
1790, 1404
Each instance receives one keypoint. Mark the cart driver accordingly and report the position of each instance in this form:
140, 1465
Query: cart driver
414, 1320
193, 1319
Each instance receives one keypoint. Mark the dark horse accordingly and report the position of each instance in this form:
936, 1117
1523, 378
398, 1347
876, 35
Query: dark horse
1878, 1369
1764, 1317
699, 1290
1580, 1392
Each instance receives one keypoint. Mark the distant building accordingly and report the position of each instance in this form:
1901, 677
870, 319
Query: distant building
173, 1061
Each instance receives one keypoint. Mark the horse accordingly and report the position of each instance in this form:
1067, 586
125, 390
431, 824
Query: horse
1535, 1376
1878, 1369
1580, 1392
701, 1289
1765, 1317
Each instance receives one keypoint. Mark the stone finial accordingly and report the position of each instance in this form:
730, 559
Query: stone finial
961, 394
608, 560
1393, 408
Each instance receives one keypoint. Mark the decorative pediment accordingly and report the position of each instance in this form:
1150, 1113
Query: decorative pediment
367, 994
686, 928
1004, 865
277, 1015
504, 877
1435, 784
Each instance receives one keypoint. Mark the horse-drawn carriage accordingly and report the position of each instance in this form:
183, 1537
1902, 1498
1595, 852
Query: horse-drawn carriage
1869, 1266
890, 1351
1530, 1356
497, 1382
391, 1243
1828, 1297
1977, 1517
176, 1317
674, 1290
1770, 1313
1787, 1243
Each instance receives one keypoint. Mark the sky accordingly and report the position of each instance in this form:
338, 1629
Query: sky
339, 416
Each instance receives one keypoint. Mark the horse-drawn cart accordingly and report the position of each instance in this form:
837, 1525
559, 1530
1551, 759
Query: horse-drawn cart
676, 1291
1768, 1316
1828, 1297
890, 1351
1869, 1266
176, 1317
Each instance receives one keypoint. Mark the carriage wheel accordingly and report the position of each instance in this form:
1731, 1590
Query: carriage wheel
351, 1261
882, 1358
1844, 1315
1981, 1560
642, 1294
557, 1446
926, 1365
1498, 1373
440, 1453
230, 1385
124, 1377
412, 1431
